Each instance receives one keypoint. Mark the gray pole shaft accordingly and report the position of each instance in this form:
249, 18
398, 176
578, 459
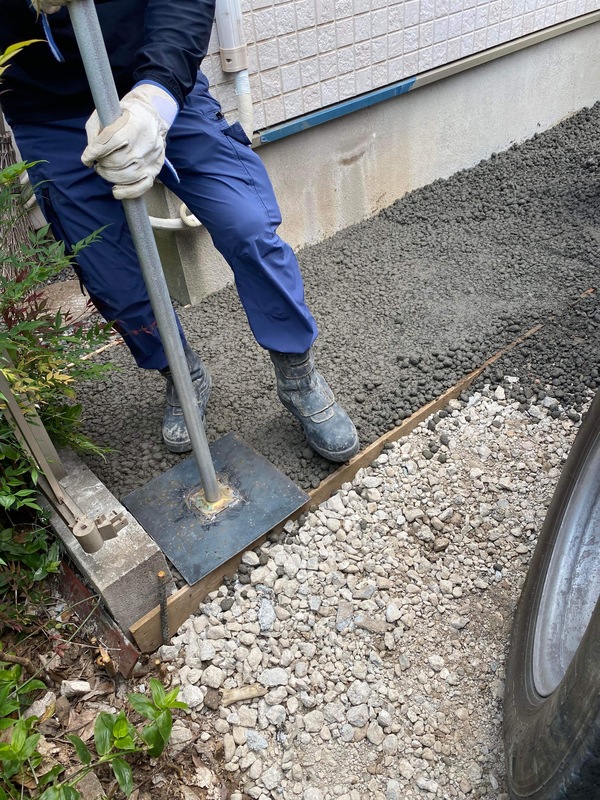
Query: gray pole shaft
99, 74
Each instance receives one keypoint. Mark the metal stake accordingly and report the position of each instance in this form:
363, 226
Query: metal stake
99, 74
164, 608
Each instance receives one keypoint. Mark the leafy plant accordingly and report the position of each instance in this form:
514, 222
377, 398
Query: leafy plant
17, 754
28, 558
42, 356
116, 739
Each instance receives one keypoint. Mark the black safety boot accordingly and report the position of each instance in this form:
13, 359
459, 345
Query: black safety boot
306, 395
174, 430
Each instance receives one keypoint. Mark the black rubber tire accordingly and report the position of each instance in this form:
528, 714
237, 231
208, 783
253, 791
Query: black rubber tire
552, 744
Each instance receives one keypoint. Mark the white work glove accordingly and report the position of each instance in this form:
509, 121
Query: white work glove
131, 152
49, 6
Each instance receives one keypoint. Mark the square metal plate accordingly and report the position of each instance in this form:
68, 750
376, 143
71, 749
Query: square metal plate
197, 544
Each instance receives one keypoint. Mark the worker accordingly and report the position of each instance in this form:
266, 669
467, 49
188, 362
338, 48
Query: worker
173, 129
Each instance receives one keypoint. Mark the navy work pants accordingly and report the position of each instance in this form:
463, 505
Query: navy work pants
222, 181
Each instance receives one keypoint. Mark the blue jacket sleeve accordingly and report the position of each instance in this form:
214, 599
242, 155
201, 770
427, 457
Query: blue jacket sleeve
176, 36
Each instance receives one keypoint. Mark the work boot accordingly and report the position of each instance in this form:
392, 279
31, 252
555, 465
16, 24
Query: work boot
174, 431
306, 395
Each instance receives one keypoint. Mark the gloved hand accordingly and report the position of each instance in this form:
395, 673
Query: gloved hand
49, 6
131, 152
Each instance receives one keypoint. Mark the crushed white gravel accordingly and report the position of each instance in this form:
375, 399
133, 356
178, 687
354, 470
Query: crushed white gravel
376, 628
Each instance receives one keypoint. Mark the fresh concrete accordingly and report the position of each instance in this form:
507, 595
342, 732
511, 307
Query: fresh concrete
124, 571
407, 302
342, 172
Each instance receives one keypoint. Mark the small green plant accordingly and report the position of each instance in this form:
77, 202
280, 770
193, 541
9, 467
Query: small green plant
42, 356
17, 753
116, 739
28, 558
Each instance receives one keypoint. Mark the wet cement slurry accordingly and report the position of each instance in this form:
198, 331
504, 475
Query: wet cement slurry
407, 302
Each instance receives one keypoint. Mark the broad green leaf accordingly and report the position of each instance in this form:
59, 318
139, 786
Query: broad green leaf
125, 743
31, 686
103, 732
123, 775
51, 774
142, 705
9, 707
51, 793
19, 736
121, 726
164, 723
83, 753
158, 692
171, 700
29, 748
171, 696
153, 739
68, 793
8, 754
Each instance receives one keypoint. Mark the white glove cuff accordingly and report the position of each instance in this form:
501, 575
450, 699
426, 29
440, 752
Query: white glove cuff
161, 100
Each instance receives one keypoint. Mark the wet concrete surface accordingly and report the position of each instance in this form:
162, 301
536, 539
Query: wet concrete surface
407, 303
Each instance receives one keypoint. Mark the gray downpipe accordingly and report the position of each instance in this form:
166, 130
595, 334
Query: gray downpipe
102, 85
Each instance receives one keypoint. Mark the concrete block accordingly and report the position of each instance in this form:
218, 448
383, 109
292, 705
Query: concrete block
285, 18
273, 109
326, 38
344, 32
309, 70
293, 103
290, 77
124, 571
264, 24
271, 83
325, 11
307, 43
268, 54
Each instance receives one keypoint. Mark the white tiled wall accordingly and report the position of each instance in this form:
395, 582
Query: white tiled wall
307, 54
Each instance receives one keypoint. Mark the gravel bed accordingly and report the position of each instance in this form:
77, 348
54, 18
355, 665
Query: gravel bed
407, 302
378, 625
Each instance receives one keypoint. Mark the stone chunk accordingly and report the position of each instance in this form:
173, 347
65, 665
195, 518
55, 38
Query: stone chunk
74, 688
276, 676
213, 677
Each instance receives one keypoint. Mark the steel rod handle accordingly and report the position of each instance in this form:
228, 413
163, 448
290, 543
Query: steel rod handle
104, 92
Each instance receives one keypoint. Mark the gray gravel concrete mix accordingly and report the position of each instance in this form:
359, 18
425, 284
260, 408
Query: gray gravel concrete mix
407, 303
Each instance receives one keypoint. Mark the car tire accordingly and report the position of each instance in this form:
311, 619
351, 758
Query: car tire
552, 695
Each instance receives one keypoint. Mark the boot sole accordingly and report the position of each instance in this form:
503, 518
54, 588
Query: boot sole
340, 456
178, 448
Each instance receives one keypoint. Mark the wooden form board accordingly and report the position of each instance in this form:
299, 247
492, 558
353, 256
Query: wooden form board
147, 631
123, 655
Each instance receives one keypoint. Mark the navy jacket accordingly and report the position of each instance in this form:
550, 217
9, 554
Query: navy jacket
159, 40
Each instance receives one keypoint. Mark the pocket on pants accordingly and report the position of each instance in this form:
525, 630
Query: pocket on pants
236, 132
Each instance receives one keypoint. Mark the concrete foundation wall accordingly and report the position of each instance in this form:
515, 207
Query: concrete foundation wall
339, 173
